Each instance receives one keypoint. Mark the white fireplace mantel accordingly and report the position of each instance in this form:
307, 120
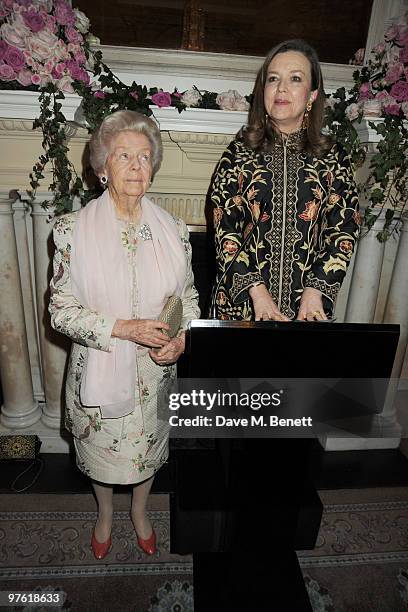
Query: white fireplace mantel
24, 105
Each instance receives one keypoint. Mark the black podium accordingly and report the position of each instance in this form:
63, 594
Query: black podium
243, 506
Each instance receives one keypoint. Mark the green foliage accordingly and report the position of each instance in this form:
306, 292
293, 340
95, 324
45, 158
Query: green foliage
386, 187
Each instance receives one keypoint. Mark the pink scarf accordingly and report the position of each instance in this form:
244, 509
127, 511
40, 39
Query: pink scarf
102, 281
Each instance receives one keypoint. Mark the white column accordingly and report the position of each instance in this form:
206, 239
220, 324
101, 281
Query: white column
361, 309
52, 344
25, 261
20, 409
366, 277
396, 311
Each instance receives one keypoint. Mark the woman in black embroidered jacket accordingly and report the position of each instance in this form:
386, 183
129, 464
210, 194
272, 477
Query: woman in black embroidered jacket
289, 185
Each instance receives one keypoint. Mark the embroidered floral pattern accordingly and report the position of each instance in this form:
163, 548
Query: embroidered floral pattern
306, 234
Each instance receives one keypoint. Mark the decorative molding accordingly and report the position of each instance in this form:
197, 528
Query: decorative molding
198, 147
219, 140
189, 207
18, 125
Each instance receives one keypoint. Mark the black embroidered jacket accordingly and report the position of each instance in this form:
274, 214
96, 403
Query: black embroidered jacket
306, 234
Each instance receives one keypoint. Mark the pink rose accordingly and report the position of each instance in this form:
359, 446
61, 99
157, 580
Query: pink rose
380, 48
101, 95
358, 57
392, 109
385, 99
84, 76
365, 92
392, 33
73, 68
58, 70
403, 36
162, 98
76, 72
13, 35
4, 12
24, 77
36, 79
7, 73
28, 58
3, 49
394, 72
33, 20
399, 91
50, 23
64, 13
80, 58
15, 58
73, 36
403, 55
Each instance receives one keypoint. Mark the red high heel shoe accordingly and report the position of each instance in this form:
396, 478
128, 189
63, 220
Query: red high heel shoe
149, 545
100, 549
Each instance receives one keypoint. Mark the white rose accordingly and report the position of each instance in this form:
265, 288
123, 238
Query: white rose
241, 104
191, 97
38, 49
231, 100
331, 102
352, 111
65, 84
48, 38
82, 22
13, 35
45, 4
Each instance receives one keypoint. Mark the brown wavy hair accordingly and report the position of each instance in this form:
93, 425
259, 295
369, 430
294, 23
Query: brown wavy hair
259, 133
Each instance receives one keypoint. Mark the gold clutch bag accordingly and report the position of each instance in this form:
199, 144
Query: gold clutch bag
172, 314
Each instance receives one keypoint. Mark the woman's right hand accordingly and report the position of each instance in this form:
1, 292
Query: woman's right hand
142, 331
264, 306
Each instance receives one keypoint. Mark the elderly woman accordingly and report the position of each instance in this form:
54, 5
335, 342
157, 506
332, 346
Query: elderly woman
287, 189
117, 262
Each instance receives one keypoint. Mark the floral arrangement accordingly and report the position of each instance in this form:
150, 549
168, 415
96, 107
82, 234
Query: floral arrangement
380, 91
45, 46
43, 42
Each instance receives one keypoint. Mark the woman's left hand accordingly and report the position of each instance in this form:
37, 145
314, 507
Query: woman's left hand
311, 306
169, 353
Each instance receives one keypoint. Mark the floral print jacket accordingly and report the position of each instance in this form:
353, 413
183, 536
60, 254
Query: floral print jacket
303, 215
87, 328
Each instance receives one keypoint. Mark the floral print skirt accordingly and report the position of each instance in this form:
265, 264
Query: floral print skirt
130, 449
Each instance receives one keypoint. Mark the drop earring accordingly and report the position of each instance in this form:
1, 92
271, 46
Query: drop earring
305, 122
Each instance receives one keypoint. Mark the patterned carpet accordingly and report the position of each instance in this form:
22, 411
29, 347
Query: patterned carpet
360, 563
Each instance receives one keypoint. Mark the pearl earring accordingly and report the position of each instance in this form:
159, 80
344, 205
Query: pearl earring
104, 180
